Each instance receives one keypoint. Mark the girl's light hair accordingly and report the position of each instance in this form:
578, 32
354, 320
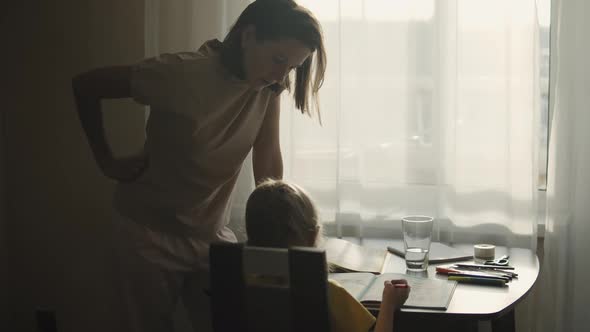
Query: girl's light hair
277, 20
281, 214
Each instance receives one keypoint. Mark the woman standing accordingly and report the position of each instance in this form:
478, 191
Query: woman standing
209, 109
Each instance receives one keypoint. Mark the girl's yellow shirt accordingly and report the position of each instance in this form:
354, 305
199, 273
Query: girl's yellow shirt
346, 313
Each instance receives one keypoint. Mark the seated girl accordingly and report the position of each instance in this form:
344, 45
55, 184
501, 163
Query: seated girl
281, 214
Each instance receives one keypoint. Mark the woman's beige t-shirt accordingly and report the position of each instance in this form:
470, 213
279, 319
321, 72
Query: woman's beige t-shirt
202, 125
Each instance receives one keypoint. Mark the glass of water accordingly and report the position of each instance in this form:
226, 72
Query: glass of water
417, 237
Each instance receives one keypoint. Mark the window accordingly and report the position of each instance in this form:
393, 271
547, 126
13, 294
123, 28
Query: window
429, 107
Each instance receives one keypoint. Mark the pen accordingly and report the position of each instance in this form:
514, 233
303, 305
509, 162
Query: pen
477, 272
468, 267
479, 275
395, 251
472, 273
486, 267
478, 280
446, 270
500, 273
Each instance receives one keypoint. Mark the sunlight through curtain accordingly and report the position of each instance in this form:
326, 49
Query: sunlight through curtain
429, 107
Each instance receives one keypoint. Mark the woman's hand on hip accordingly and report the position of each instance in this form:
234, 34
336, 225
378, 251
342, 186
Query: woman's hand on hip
125, 169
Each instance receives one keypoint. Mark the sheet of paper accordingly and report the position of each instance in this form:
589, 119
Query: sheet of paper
425, 293
354, 283
353, 257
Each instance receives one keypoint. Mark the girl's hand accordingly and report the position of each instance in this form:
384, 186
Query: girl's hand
126, 169
396, 292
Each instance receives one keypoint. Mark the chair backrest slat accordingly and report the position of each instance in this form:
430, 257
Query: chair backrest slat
227, 287
309, 315
268, 289
266, 261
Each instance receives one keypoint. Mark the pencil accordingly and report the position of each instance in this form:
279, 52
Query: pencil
479, 281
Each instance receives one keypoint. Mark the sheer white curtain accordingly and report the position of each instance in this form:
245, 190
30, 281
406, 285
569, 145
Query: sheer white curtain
429, 107
564, 292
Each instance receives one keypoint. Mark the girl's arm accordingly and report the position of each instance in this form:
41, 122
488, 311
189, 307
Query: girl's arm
395, 293
89, 88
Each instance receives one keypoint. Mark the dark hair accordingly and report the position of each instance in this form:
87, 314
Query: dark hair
275, 20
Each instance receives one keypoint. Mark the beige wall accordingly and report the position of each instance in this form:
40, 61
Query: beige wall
4, 105
58, 206
4, 268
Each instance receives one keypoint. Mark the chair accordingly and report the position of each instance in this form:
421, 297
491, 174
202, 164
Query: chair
256, 289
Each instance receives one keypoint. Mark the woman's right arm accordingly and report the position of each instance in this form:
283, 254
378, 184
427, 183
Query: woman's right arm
89, 88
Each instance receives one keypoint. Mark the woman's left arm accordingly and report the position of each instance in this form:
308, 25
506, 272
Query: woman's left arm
267, 160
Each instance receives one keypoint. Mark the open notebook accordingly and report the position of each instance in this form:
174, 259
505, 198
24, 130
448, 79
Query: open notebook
345, 256
425, 293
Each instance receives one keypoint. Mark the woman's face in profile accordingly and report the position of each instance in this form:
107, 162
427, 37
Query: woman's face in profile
269, 62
